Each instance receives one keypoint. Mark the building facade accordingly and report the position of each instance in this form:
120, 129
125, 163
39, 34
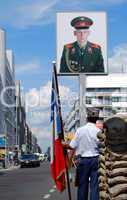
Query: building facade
34, 144
108, 93
7, 93
20, 118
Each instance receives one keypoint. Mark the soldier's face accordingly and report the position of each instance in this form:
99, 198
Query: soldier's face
81, 35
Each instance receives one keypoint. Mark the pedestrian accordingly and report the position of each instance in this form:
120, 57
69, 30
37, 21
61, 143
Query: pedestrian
82, 56
100, 124
10, 155
15, 157
85, 143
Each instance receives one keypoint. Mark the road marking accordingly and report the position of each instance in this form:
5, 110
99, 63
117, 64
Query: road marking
52, 190
46, 196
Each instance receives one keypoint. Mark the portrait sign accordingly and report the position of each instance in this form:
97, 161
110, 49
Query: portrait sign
81, 43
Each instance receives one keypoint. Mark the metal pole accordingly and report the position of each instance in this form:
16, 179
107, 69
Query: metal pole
5, 130
82, 98
67, 176
16, 141
62, 135
16, 123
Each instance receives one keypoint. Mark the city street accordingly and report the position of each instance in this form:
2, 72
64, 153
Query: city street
30, 184
63, 99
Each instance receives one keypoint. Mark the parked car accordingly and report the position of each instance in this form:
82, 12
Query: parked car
41, 157
29, 160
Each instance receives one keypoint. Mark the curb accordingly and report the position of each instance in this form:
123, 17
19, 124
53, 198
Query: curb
9, 169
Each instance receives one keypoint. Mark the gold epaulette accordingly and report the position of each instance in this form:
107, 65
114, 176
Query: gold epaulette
69, 45
96, 46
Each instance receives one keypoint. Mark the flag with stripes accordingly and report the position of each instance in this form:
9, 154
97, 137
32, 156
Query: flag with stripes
57, 153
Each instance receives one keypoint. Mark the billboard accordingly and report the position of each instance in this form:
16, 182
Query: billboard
81, 43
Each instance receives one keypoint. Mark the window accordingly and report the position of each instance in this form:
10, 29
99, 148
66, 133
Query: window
115, 99
88, 100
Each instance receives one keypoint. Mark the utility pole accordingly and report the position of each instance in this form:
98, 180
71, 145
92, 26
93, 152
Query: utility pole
82, 98
6, 139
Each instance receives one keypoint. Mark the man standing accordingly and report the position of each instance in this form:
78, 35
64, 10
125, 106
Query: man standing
82, 56
85, 143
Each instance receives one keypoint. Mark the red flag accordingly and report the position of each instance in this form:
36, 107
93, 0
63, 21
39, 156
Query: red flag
58, 168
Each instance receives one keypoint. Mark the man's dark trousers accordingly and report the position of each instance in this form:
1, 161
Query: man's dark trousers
88, 168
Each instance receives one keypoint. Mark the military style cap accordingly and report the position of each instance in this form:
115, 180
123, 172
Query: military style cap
81, 22
92, 112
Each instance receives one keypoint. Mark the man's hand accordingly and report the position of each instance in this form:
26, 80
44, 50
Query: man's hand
66, 145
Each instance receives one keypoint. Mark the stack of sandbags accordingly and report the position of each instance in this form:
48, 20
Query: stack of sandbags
117, 176
113, 159
116, 134
103, 181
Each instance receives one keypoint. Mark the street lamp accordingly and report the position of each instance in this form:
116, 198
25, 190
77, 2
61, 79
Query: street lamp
6, 138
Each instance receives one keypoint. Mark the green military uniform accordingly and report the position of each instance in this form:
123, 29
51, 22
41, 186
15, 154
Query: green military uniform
82, 60
87, 59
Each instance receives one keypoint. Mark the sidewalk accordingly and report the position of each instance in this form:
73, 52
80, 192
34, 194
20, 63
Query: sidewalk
10, 168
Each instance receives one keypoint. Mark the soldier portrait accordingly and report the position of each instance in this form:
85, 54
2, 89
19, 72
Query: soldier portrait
82, 55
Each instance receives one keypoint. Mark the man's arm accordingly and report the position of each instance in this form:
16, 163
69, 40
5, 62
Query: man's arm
100, 62
66, 145
63, 64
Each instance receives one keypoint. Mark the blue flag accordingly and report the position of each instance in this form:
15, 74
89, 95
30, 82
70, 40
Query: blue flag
55, 115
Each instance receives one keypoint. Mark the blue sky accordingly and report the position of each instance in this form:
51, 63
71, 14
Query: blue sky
31, 33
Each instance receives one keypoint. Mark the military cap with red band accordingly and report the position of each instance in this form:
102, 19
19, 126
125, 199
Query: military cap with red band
81, 22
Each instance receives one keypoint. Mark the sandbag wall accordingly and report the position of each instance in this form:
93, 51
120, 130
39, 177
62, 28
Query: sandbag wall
113, 159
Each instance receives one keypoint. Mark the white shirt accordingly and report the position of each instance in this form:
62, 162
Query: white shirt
85, 141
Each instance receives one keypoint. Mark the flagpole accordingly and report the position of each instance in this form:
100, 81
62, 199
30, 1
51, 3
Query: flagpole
62, 134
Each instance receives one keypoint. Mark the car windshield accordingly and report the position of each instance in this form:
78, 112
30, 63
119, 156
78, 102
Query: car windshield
29, 156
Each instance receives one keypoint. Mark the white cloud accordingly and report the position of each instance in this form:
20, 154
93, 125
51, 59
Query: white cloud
25, 14
43, 135
28, 13
31, 66
38, 115
118, 61
41, 98
34, 13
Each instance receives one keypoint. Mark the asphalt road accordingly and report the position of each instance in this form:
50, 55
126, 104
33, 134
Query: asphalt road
30, 184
